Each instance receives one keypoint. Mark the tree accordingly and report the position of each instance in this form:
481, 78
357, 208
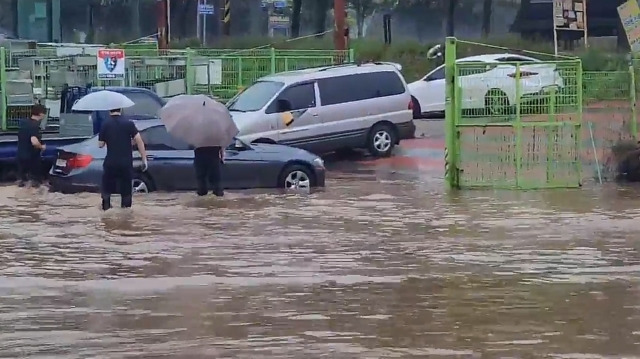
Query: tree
363, 9
295, 18
486, 17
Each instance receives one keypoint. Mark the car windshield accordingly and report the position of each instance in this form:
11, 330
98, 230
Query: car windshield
255, 96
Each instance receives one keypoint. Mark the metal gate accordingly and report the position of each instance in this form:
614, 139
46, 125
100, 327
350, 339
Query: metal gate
512, 122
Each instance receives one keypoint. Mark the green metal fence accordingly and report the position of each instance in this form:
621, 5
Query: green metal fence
610, 118
215, 72
506, 129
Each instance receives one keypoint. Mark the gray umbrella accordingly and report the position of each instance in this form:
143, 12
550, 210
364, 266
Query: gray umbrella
199, 121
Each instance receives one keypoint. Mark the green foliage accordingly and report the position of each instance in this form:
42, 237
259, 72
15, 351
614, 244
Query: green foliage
413, 55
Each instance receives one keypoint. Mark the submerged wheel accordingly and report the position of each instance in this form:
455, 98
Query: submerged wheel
496, 102
141, 184
296, 177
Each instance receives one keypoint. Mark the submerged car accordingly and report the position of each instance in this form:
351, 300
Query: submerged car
78, 167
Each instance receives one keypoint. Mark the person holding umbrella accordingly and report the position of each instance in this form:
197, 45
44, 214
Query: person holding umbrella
207, 126
208, 163
117, 133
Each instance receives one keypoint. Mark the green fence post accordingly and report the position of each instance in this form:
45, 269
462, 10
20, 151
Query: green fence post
352, 55
578, 126
450, 159
273, 60
551, 133
632, 95
240, 82
3, 87
518, 126
189, 76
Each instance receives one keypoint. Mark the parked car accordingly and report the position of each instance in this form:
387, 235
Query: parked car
491, 87
78, 167
327, 109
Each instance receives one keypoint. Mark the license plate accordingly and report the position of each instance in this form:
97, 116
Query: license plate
61, 163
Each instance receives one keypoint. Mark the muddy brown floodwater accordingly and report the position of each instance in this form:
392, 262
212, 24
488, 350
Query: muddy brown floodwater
380, 265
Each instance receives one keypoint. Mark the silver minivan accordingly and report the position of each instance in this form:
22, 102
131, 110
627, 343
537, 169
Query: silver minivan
328, 109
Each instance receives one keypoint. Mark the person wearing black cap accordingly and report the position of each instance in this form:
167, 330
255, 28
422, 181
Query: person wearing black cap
118, 133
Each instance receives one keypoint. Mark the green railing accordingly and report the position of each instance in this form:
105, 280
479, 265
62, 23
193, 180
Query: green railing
220, 73
504, 130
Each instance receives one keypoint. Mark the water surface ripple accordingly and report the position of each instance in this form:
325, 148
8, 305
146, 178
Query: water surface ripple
388, 268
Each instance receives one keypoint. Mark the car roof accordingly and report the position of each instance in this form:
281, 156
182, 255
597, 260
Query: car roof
290, 77
142, 125
120, 89
491, 57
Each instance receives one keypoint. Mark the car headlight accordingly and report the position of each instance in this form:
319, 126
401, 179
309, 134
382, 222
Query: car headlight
318, 162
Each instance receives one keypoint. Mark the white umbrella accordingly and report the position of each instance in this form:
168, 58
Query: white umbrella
199, 120
102, 101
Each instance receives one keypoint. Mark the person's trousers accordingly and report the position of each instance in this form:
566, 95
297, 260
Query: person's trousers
117, 178
30, 169
209, 173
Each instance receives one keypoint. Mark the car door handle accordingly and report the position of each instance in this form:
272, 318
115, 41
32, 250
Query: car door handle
314, 115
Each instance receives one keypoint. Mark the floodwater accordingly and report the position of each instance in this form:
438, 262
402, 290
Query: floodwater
383, 264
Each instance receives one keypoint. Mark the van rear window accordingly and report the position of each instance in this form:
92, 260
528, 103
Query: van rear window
359, 87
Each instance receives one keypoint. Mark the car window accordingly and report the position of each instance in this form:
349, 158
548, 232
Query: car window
438, 74
300, 96
255, 97
359, 87
158, 139
144, 105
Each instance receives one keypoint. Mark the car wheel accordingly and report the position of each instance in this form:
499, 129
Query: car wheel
296, 177
496, 103
141, 184
415, 106
382, 139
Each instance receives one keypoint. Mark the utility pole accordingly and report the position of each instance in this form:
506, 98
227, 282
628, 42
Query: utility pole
161, 19
339, 12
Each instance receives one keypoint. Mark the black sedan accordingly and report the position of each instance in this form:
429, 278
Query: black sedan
78, 167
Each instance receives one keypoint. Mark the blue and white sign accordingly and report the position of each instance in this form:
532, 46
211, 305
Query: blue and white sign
279, 4
206, 9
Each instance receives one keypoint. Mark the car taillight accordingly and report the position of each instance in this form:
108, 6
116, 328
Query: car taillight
410, 105
79, 161
523, 74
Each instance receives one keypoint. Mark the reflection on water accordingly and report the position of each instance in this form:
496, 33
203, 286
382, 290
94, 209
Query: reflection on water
377, 266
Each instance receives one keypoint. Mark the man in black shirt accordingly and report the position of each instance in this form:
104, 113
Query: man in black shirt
118, 133
30, 148
208, 163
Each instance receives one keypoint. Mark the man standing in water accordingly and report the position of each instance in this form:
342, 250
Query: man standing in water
118, 133
208, 163
30, 148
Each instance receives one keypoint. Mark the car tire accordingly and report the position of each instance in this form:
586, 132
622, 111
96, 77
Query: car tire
381, 140
296, 177
142, 184
417, 111
496, 103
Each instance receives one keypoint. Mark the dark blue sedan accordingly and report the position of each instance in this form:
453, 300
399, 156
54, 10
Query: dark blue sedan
78, 167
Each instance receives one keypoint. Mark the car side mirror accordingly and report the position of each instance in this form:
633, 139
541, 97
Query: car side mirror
284, 105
